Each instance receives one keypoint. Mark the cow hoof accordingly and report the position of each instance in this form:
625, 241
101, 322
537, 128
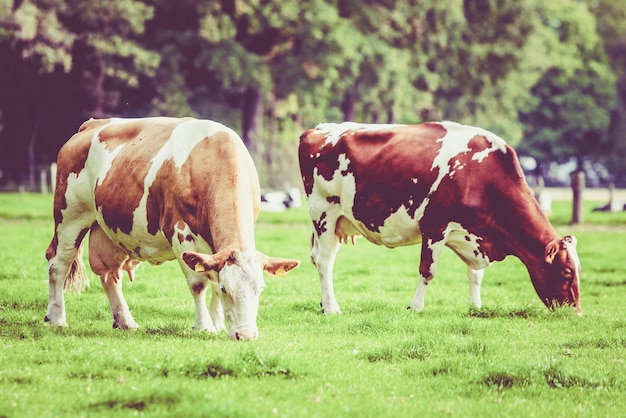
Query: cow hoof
133, 325
210, 330
331, 311
416, 309
52, 323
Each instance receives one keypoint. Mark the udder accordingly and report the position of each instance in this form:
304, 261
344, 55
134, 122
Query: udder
107, 260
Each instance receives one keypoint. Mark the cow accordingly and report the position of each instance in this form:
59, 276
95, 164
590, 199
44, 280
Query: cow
441, 184
158, 189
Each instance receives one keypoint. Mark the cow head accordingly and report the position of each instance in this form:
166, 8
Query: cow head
559, 281
240, 281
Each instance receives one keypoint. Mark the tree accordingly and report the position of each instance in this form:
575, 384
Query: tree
611, 18
270, 69
65, 60
107, 55
569, 115
36, 51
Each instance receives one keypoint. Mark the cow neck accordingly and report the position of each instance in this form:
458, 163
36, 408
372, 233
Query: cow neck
232, 228
529, 233
233, 200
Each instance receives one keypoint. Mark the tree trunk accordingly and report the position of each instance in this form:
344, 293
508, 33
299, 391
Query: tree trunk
251, 119
347, 106
578, 186
98, 91
390, 116
272, 162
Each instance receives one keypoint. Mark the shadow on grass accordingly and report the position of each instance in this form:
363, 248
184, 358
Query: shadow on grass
138, 404
553, 376
503, 312
252, 363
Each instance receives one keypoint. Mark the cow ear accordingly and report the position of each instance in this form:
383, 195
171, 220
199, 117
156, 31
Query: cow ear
570, 239
277, 266
559, 247
551, 250
199, 262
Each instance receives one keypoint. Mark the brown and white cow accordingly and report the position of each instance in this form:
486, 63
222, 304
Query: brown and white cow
158, 189
441, 184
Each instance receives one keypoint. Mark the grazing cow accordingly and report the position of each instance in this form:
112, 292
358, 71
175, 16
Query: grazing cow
441, 184
159, 189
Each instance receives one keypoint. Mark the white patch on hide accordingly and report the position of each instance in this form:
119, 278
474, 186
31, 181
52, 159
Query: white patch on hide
464, 243
179, 146
335, 130
454, 143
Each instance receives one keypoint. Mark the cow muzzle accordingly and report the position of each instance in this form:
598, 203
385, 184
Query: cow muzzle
578, 309
243, 334
575, 306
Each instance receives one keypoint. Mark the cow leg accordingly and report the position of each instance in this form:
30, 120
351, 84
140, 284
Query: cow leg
324, 250
428, 266
198, 284
57, 270
122, 319
65, 268
417, 304
475, 279
215, 309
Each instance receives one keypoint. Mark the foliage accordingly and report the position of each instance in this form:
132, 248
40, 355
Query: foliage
571, 112
611, 17
511, 358
272, 69
572, 115
33, 28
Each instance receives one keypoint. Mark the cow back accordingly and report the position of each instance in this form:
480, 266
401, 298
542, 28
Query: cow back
146, 179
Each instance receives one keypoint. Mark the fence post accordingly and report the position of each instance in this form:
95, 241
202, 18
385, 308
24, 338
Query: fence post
43, 181
53, 176
578, 186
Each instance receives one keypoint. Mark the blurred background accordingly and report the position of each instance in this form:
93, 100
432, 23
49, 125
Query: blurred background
548, 77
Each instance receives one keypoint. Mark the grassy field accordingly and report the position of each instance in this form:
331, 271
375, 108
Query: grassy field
512, 358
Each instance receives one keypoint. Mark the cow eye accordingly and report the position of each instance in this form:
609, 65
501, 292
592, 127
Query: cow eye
223, 289
567, 273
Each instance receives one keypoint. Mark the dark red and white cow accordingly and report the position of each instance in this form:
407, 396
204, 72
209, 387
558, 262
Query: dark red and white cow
159, 189
441, 184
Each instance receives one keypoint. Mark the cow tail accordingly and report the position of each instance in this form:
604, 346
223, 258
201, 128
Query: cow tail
76, 278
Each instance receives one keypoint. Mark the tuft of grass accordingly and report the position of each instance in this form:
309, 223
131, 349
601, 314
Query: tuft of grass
556, 378
506, 380
210, 369
135, 403
506, 312
407, 350
252, 363
551, 374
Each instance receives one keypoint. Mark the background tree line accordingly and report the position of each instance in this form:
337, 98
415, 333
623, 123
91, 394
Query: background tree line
549, 77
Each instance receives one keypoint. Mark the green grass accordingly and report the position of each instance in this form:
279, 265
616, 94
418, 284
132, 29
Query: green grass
511, 358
